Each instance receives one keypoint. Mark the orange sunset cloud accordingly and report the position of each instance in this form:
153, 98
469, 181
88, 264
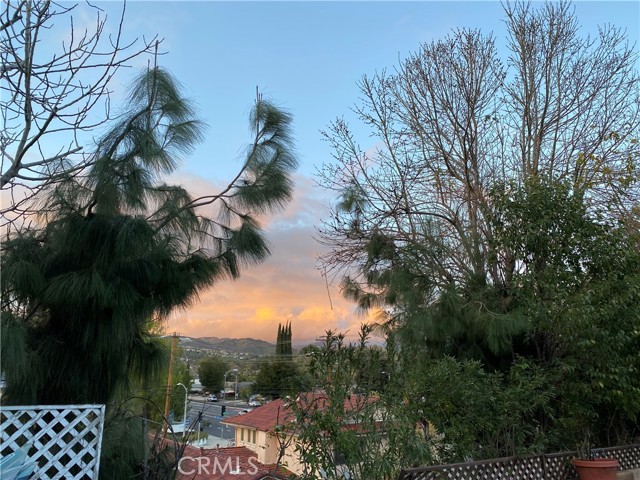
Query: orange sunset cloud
288, 287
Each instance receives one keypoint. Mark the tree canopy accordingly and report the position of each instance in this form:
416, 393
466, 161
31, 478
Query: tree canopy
115, 251
211, 373
452, 121
284, 346
280, 375
50, 99
98, 246
494, 223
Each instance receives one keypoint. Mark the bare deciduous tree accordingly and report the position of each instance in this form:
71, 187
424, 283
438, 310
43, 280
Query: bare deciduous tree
453, 121
53, 92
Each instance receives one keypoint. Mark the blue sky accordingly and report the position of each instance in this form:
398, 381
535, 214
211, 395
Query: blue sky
307, 57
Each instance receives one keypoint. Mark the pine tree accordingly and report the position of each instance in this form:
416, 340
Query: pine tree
117, 250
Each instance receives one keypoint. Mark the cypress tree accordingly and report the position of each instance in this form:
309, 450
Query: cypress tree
288, 347
283, 341
279, 341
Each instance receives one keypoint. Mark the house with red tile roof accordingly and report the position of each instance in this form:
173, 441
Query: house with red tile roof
257, 431
270, 430
233, 463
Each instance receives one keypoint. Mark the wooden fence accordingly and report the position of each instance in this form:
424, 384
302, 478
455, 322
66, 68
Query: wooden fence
555, 466
627, 455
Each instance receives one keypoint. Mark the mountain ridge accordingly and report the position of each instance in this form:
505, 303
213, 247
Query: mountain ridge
250, 346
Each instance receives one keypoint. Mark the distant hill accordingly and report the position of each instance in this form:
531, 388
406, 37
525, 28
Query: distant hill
246, 346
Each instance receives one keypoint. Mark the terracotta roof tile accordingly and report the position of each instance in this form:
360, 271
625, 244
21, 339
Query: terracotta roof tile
233, 463
266, 417
263, 418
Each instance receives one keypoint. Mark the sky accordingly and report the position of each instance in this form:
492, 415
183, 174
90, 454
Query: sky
307, 58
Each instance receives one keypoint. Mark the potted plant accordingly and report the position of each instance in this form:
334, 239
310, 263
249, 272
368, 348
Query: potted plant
590, 468
596, 468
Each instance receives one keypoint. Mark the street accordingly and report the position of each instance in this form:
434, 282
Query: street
211, 415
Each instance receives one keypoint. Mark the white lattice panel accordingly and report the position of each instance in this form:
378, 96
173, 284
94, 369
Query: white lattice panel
63, 440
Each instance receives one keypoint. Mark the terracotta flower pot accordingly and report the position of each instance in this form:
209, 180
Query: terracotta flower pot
596, 469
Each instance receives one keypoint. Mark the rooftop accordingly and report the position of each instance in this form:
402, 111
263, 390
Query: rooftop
234, 463
265, 417
279, 412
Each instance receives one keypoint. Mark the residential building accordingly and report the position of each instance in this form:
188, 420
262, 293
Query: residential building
270, 430
234, 463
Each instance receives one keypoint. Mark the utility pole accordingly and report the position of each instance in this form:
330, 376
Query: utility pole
167, 398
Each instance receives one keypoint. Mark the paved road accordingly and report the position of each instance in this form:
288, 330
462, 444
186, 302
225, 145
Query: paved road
211, 415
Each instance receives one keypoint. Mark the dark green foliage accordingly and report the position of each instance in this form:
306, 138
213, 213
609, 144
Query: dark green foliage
14, 350
495, 226
267, 187
570, 318
182, 375
365, 369
124, 445
150, 392
279, 340
368, 425
105, 277
278, 378
468, 412
211, 373
116, 250
134, 447
543, 362
284, 346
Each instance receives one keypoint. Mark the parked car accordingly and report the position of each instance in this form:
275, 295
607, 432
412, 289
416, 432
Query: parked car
254, 403
213, 398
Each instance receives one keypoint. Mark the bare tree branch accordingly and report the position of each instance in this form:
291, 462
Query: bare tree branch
48, 97
454, 120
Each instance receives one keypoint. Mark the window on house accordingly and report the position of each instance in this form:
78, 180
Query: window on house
242, 434
254, 437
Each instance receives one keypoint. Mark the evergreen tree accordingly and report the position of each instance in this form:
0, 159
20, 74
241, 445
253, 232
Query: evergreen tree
277, 378
288, 342
116, 250
280, 375
283, 341
279, 341
211, 373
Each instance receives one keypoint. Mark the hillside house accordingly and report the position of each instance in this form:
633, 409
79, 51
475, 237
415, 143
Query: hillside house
234, 463
258, 430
